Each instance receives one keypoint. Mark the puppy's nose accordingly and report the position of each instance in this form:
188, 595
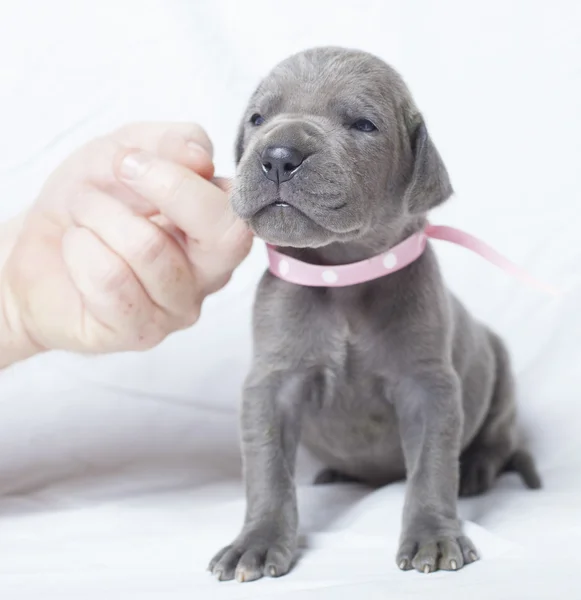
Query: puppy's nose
280, 163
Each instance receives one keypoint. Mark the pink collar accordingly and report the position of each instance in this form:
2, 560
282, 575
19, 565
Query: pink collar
400, 256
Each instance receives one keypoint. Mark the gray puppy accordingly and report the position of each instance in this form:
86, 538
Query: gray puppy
383, 380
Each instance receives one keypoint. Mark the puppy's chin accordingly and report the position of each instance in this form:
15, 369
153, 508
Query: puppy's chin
287, 226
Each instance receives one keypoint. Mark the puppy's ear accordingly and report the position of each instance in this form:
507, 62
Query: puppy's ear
429, 184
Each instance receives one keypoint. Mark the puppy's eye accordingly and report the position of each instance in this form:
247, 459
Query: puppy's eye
364, 125
257, 119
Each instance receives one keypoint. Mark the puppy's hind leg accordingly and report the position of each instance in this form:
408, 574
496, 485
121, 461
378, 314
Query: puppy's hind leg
495, 448
327, 476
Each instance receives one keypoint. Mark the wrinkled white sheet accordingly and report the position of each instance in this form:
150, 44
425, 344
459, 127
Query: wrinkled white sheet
119, 475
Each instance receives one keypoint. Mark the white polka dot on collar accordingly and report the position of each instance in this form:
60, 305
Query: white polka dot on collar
329, 276
283, 267
390, 260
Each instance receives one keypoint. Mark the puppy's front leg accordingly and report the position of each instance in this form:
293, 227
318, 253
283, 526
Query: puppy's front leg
270, 433
429, 410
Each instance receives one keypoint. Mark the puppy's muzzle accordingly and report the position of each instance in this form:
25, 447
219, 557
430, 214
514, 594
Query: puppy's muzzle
280, 163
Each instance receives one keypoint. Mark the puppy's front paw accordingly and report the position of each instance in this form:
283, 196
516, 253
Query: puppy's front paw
253, 555
431, 553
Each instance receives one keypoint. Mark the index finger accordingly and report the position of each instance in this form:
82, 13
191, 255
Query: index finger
196, 206
161, 138
186, 144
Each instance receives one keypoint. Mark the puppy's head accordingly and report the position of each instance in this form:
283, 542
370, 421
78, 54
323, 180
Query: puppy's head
331, 148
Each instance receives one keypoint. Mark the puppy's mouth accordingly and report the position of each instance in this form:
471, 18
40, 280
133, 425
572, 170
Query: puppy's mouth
278, 206
282, 212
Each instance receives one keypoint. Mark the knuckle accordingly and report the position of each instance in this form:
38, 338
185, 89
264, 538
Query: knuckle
150, 243
115, 277
127, 130
197, 133
98, 159
153, 332
178, 133
179, 187
104, 145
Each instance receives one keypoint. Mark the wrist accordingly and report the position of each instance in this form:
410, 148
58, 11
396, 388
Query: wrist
15, 343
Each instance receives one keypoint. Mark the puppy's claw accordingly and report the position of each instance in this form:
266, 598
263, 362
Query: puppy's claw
426, 569
240, 577
453, 565
272, 571
473, 556
403, 564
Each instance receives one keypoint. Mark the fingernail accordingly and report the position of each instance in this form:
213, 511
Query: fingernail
135, 164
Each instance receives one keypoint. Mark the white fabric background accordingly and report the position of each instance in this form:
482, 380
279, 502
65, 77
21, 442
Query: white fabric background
119, 475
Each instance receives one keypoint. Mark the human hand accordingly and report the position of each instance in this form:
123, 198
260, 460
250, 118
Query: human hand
126, 239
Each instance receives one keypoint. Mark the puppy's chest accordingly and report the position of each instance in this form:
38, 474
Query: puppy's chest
350, 351
350, 413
